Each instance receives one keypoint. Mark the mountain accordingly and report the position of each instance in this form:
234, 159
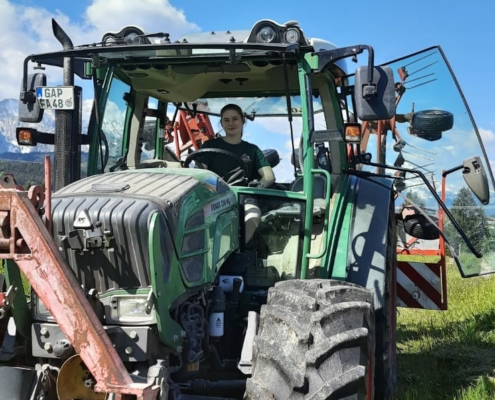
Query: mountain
9, 121
26, 162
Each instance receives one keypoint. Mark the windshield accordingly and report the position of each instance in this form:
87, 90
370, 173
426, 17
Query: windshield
267, 124
434, 131
257, 106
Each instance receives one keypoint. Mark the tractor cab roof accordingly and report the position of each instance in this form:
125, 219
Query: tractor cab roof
212, 64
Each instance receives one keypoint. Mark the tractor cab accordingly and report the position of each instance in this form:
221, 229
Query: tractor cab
142, 280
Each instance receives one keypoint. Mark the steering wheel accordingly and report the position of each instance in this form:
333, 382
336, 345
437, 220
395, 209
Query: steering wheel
237, 175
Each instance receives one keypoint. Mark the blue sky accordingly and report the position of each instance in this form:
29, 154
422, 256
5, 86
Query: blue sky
394, 29
465, 31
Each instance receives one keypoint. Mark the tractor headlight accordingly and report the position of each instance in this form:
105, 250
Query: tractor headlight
266, 34
39, 310
292, 35
133, 309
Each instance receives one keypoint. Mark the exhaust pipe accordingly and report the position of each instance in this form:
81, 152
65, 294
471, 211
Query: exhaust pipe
68, 123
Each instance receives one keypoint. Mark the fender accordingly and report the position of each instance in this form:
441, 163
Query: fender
367, 260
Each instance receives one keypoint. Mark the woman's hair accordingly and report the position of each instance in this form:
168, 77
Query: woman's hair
237, 109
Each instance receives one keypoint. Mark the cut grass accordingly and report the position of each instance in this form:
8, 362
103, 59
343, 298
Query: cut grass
450, 354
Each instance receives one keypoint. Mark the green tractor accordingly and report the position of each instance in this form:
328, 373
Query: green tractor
142, 283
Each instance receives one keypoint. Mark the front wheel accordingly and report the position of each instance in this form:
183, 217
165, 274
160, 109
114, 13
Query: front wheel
316, 341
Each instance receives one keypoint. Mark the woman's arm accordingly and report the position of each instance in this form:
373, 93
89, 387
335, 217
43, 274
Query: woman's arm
267, 176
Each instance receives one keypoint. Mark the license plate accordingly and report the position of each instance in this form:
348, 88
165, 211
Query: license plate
55, 98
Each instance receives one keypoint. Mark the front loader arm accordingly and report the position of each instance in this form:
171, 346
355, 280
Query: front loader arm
25, 240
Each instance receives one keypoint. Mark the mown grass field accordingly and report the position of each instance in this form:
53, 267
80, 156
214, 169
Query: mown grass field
450, 354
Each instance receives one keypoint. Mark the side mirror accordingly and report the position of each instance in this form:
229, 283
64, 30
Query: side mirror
376, 99
29, 109
475, 176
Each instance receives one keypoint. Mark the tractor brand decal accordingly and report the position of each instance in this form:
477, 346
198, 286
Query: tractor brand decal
419, 285
218, 205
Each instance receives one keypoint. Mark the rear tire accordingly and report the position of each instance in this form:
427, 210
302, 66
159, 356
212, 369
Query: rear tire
316, 341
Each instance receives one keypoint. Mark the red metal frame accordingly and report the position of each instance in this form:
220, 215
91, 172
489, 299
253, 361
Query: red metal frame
190, 131
438, 267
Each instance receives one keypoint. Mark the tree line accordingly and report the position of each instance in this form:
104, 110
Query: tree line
471, 217
26, 173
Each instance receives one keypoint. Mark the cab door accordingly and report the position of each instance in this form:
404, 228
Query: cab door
434, 132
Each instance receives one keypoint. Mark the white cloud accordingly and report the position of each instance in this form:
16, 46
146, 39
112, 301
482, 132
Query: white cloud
487, 135
488, 138
151, 15
285, 170
278, 125
28, 30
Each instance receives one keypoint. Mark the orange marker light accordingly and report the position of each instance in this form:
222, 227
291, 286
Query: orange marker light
24, 137
352, 132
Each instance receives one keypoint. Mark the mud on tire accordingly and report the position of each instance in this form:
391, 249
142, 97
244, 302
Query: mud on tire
316, 341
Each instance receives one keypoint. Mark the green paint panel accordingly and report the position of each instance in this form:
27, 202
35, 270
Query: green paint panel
20, 310
166, 289
336, 259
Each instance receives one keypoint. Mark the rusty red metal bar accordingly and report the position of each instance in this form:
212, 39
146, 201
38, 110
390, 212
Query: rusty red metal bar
55, 284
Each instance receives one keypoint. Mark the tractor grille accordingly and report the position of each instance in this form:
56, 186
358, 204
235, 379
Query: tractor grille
124, 206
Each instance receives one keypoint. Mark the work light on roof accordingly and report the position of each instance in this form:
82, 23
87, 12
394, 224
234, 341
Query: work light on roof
132, 38
109, 40
266, 34
130, 35
292, 35
268, 31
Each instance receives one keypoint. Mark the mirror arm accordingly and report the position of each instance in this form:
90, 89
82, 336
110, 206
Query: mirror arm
449, 171
371, 64
26, 96
327, 57
437, 198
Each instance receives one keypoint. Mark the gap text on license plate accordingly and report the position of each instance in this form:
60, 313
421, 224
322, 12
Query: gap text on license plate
56, 97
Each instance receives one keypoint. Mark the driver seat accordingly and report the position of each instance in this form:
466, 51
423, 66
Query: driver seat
272, 157
319, 192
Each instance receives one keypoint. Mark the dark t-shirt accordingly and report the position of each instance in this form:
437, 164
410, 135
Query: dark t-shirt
252, 156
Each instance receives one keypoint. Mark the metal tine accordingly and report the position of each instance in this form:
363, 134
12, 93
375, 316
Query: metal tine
419, 148
417, 155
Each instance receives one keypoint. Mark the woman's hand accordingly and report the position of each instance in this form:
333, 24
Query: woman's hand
267, 176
